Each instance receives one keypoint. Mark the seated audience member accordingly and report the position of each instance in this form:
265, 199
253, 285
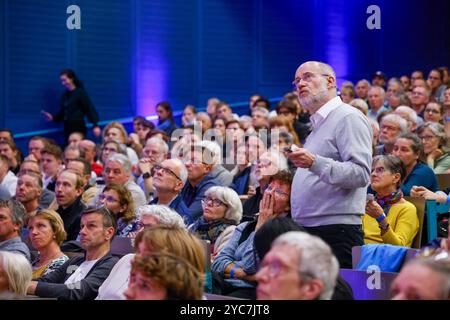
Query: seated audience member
213, 154
260, 120
6, 134
235, 266
406, 82
83, 168
164, 277
347, 94
15, 273
273, 228
155, 151
35, 146
120, 203
362, 89
70, 153
10, 150
361, 105
204, 120
28, 192
155, 239
435, 146
8, 181
75, 138
169, 178
288, 109
245, 181
222, 211
299, 266
89, 149
46, 232
115, 131
69, 187
235, 138
435, 81
211, 107
389, 219
268, 164
434, 112
138, 139
110, 147
409, 149
51, 163
118, 171
280, 124
423, 279
189, 114
391, 127
409, 115
241, 171
12, 217
82, 283
155, 214
420, 96
375, 99
47, 198
224, 111
199, 166
166, 121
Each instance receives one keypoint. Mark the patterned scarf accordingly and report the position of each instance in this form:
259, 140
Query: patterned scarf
386, 202
210, 230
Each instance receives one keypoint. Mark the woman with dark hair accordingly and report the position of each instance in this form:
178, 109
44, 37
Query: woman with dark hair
75, 105
389, 218
166, 122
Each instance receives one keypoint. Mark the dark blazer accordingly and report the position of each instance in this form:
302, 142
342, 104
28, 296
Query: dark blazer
52, 285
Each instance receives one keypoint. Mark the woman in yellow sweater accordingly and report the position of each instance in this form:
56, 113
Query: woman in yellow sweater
389, 218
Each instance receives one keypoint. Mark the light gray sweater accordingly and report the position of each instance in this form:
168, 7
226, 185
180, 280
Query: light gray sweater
333, 190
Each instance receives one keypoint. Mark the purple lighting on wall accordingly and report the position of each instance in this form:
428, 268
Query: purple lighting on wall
151, 80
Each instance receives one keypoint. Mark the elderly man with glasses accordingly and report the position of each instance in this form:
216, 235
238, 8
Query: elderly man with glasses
330, 184
169, 178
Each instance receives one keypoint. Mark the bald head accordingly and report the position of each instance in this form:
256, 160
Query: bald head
88, 147
315, 84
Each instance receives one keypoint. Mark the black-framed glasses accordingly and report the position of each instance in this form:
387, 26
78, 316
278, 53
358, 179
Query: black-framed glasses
158, 167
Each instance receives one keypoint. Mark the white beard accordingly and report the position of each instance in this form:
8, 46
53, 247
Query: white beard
313, 102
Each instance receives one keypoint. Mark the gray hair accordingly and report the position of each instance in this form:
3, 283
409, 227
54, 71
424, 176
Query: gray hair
18, 271
439, 131
264, 111
316, 260
379, 89
162, 145
18, 212
440, 267
281, 161
231, 199
398, 120
361, 105
122, 159
364, 81
210, 150
412, 115
183, 171
163, 214
286, 136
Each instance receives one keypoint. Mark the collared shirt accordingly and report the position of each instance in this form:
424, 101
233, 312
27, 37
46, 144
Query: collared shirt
374, 115
324, 111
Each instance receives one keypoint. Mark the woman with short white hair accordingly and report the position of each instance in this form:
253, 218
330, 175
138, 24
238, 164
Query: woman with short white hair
15, 273
222, 211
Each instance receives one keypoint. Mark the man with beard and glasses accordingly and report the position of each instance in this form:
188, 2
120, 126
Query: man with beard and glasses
329, 189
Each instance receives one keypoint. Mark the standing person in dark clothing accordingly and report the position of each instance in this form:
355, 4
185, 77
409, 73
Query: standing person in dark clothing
75, 105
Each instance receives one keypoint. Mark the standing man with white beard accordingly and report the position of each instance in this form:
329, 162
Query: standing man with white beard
333, 169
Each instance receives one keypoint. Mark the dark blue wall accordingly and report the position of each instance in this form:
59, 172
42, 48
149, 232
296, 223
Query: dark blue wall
134, 53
